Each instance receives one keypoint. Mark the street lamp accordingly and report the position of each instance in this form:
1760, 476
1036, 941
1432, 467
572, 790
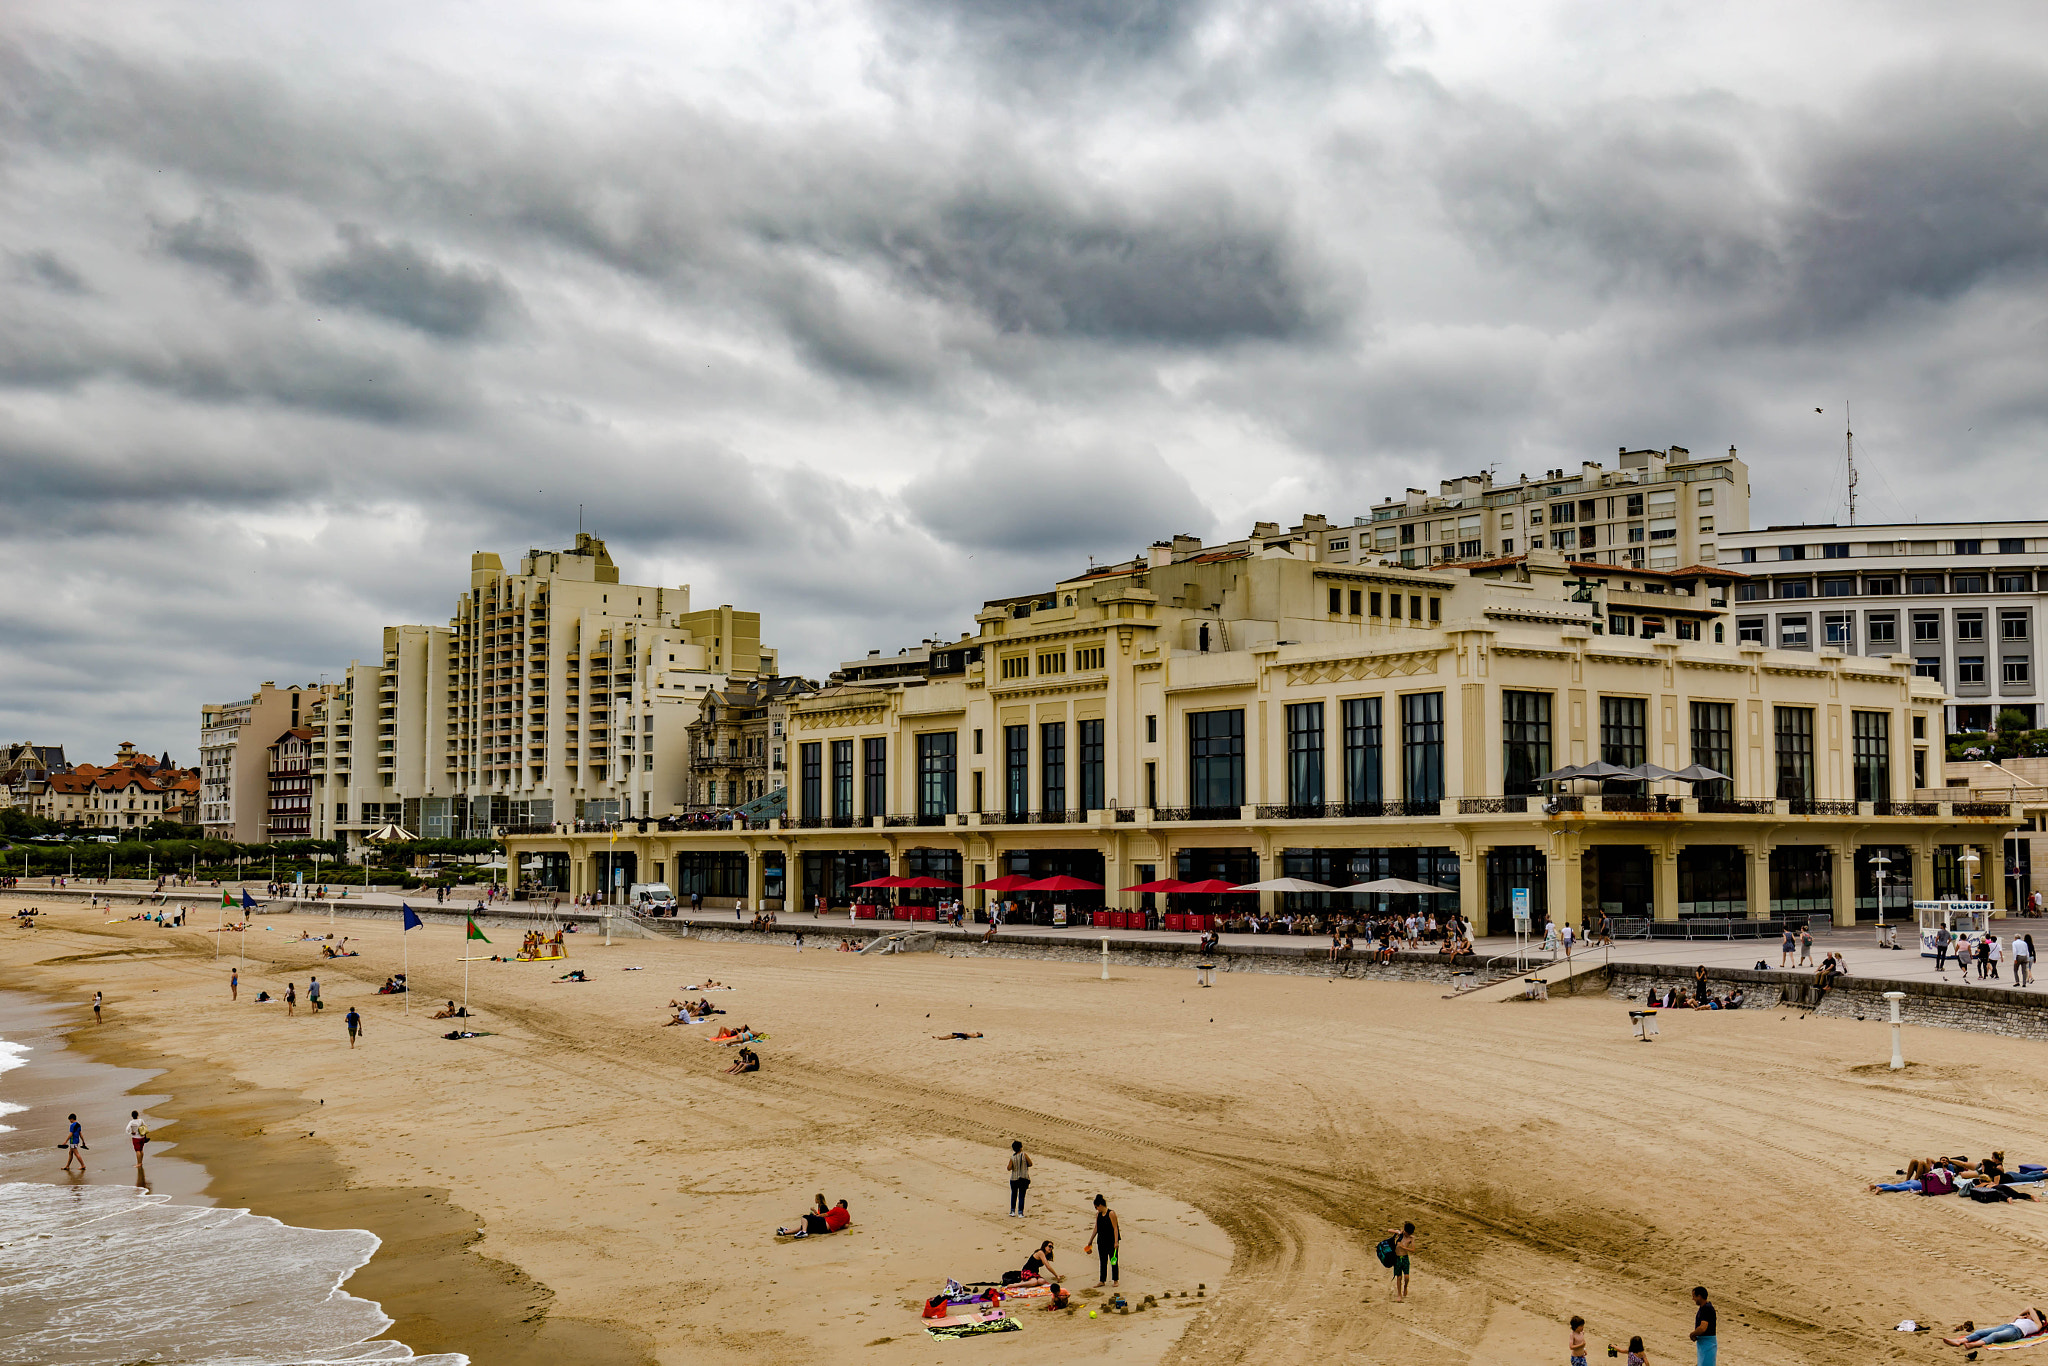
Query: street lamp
1878, 864
1969, 862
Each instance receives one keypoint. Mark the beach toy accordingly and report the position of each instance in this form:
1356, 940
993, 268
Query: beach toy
1091, 1313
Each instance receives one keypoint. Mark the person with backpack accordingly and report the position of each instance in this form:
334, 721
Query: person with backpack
1394, 1251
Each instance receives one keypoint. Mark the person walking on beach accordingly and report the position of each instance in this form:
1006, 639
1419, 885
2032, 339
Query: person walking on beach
96, 1000
1403, 1239
291, 998
313, 995
1575, 1344
355, 1025
1020, 1177
1705, 1328
1108, 1238
1806, 946
234, 984
74, 1139
138, 1133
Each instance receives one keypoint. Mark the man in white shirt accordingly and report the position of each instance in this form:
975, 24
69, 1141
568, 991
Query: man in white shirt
1992, 943
2022, 962
138, 1133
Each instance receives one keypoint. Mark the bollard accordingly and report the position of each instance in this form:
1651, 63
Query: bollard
1898, 1056
1105, 960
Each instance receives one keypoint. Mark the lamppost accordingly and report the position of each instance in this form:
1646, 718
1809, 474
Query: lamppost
1969, 861
1878, 864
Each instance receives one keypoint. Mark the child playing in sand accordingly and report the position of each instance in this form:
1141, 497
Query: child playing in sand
1636, 1356
1575, 1343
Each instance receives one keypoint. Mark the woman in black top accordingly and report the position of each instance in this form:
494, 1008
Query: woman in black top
1038, 1266
1108, 1234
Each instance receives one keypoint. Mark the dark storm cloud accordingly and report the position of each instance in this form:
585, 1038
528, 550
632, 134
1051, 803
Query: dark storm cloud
211, 240
51, 271
1059, 39
398, 281
1045, 499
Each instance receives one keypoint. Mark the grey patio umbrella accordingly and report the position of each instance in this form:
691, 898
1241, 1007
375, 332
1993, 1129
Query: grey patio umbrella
1399, 886
1651, 773
1284, 884
1699, 773
1560, 774
1600, 768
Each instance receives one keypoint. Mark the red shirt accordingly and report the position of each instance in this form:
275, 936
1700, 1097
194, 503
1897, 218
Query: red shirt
836, 1219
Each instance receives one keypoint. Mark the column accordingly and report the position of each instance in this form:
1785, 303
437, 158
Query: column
794, 893
1757, 880
1842, 882
1472, 888
757, 893
1991, 877
1561, 882
1664, 880
1923, 869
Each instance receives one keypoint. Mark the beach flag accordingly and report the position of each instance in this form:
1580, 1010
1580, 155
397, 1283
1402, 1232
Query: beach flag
248, 902
412, 921
475, 933
226, 901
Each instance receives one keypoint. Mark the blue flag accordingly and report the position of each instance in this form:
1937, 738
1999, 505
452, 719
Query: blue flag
412, 921
248, 902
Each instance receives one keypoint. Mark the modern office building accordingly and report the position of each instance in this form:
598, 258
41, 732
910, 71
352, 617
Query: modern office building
1655, 510
1961, 601
1268, 709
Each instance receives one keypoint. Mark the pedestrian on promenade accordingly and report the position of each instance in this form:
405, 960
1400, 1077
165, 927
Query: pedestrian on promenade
2023, 961
1106, 1242
96, 1000
1993, 951
1941, 943
1020, 1176
1806, 946
1705, 1333
74, 1139
355, 1025
234, 984
1984, 958
1790, 946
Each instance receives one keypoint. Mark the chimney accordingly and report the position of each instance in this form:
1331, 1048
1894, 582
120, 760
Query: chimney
1184, 544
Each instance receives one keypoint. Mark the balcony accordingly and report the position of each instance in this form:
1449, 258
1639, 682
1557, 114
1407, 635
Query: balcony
1198, 813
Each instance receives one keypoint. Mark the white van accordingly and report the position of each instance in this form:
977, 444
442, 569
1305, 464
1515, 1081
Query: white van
649, 894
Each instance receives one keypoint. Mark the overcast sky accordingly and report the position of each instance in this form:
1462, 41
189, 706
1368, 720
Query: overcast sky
857, 314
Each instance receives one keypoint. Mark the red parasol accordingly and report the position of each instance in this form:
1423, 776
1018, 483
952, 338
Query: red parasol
1165, 884
1214, 884
1062, 883
929, 882
1009, 882
885, 882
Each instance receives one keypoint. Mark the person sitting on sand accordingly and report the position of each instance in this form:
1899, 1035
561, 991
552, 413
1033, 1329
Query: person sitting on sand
453, 1012
745, 1062
809, 1222
956, 1034
2026, 1324
1038, 1266
1060, 1299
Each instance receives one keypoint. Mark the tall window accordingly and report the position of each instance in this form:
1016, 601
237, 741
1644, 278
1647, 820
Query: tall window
842, 778
1624, 731
937, 776
1017, 769
1422, 747
1872, 740
1052, 766
1525, 737
1091, 774
1362, 749
1713, 746
1795, 753
875, 776
1305, 754
1216, 758
811, 778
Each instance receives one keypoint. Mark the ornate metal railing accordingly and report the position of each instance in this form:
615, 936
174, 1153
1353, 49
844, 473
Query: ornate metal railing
1068, 817
1197, 813
1492, 806
1916, 809
1563, 801
1804, 806
1294, 811
1736, 806
1981, 809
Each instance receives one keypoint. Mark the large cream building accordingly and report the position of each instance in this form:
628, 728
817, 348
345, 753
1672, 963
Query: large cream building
1268, 708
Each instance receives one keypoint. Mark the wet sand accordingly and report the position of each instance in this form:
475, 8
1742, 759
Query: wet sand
1255, 1138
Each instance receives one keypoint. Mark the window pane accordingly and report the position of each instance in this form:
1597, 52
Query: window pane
1091, 765
1216, 758
1052, 766
1362, 749
1305, 754
1422, 747
1713, 746
1525, 737
1017, 769
1795, 753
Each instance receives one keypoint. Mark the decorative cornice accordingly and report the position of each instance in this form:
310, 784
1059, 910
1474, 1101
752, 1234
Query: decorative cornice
1402, 665
1600, 657
999, 694
1530, 652
1684, 662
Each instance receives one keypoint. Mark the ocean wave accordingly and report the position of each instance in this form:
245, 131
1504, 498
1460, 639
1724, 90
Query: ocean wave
102, 1275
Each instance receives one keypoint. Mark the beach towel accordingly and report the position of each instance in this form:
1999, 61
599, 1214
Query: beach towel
973, 1330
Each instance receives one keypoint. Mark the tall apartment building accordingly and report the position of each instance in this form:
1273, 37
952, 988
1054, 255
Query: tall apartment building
1655, 510
234, 757
1267, 710
1962, 601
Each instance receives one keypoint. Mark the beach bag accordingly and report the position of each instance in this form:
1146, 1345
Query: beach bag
1385, 1251
936, 1307
1012, 1277
1937, 1182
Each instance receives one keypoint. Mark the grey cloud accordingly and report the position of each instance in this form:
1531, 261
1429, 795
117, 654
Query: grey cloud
398, 281
212, 241
46, 268
1045, 500
1058, 39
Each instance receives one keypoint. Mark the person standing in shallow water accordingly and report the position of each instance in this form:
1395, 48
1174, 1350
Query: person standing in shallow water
74, 1139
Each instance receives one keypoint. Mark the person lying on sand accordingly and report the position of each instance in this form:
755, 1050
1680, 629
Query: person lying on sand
956, 1034
708, 984
576, 976
2026, 1324
745, 1062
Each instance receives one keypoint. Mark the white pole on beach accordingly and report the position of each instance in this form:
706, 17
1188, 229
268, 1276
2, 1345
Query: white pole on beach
1898, 1055
1105, 960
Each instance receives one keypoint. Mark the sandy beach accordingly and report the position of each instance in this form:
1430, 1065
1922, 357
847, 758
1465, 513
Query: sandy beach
584, 1184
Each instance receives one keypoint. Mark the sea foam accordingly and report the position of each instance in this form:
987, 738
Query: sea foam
102, 1275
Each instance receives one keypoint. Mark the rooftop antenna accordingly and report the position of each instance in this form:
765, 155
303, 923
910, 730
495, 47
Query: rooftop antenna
579, 519
1849, 453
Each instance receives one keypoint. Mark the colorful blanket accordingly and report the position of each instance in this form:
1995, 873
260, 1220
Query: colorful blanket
974, 1330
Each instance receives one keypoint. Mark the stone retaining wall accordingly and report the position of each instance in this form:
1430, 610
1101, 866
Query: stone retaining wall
1938, 1005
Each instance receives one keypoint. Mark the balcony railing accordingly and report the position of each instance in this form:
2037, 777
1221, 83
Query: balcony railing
1736, 806
1920, 810
1981, 809
1197, 813
1067, 817
1806, 806
1492, 806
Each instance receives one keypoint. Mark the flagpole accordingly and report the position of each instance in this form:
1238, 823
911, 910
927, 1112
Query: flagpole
405, 960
